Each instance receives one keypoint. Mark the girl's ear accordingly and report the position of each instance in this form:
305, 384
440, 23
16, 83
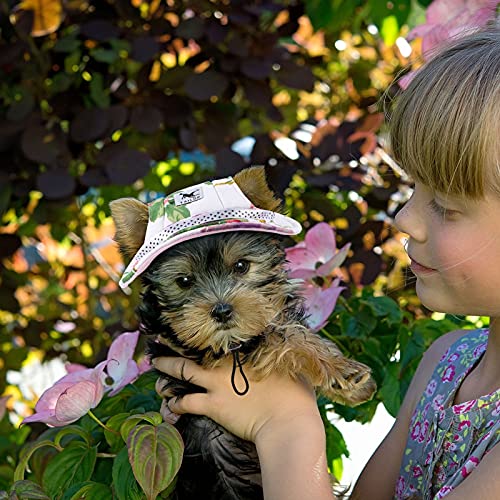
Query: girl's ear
252, 181
131, 220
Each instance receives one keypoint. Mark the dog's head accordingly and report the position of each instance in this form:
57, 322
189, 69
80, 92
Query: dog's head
211, 293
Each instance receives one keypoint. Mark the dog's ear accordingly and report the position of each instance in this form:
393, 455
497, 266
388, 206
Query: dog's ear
131, 220
252, 181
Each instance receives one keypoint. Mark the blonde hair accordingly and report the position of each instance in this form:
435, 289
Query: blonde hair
445, 127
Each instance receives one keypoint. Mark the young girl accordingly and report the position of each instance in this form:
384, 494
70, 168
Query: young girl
445, 133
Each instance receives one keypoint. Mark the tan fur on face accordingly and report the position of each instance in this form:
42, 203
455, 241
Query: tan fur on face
196, 328
131, 220
254, 307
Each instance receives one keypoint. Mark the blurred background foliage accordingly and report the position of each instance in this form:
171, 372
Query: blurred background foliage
105, 99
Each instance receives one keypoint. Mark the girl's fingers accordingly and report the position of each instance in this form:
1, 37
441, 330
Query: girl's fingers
196, 404
180, 368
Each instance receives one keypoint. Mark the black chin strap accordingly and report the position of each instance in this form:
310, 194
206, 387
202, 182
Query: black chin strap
237, 363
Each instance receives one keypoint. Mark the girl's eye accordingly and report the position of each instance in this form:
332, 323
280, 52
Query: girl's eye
241, 266
440, 210
185, 282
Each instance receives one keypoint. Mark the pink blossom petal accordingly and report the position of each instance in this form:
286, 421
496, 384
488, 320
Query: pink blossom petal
74, 367
420, 31
303, 274
320, 303
434, 39
48, 399
404, 81
336, 261
130, 373
441, 11
76, 401
47, 417
123, 346
320, 240
145, 365
301, 258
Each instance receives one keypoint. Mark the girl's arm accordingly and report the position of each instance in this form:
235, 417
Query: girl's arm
278, 414
379, 477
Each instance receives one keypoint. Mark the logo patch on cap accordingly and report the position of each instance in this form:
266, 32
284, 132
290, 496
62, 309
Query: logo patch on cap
188, 196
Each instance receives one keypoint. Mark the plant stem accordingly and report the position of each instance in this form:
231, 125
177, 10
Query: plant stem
104, 426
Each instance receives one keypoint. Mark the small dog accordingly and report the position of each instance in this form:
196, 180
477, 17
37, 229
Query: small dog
207, 296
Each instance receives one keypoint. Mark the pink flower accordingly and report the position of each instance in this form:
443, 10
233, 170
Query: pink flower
120, 366
448, 18
431, 388
320, 303
82, 388
400, 486
443, 492
445, 19
144, 365
469, 466
317, 255
313, 260
464, 407
448, 374
415, 432
437, 402
417, 471
70, 397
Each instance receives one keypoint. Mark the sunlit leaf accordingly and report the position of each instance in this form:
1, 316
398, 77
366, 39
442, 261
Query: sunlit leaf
47, 15
155, 454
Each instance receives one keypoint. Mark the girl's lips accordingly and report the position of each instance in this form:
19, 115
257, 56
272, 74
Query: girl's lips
418, 268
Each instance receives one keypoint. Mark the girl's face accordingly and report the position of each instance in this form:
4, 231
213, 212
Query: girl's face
454, 246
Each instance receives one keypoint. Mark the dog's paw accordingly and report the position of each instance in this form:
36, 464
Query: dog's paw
353, 386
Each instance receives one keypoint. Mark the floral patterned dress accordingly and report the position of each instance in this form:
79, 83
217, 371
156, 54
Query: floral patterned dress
446, 442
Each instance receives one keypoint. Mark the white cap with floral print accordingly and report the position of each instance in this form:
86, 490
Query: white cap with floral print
211, 207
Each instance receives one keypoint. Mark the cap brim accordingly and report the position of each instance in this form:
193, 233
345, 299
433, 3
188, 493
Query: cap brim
146, 254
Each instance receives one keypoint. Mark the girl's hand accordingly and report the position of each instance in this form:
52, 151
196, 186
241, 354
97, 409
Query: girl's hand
278, 414
271, 403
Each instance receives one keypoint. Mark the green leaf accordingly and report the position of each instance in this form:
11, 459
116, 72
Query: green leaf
115, 422
73, 431
28, 490
104, 55
124, 484
67, 44
390, 30
155, 454
358, 325
384, 306
152, 417
26, 455
73, 465
175, 213
330, 14
90, 490
98, 91
156, 210
390, 392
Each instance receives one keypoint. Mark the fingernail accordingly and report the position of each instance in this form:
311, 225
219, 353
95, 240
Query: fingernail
153, 362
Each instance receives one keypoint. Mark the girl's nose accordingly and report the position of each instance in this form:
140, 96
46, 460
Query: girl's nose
410, 220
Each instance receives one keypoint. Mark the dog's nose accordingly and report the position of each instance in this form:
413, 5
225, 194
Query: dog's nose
222, 312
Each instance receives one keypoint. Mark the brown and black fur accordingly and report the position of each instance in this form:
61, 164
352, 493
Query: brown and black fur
262, 314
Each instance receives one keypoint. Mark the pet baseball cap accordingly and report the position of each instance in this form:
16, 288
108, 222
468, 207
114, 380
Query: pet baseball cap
211, 207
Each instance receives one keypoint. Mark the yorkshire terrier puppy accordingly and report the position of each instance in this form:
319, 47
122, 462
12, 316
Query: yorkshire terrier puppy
210, 296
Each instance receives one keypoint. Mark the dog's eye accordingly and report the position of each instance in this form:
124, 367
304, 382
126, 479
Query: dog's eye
241, 266
185, 281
